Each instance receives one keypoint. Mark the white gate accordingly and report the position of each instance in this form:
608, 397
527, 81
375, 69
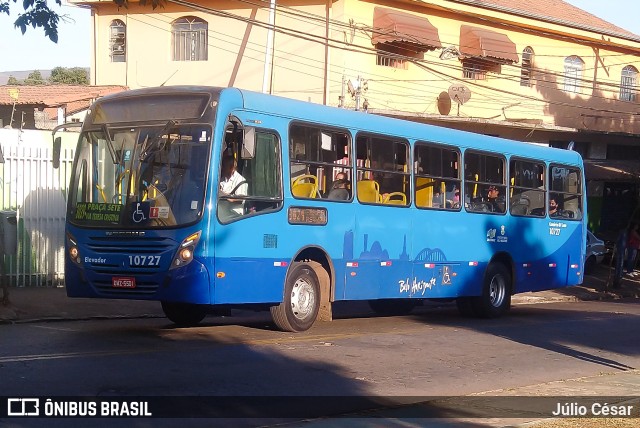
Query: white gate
37, 193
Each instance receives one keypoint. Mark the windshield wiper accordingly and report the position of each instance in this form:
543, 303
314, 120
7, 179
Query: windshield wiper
150, 146
112, 151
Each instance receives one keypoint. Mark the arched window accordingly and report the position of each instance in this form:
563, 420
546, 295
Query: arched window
628, 82
573, 66
118, 41
527, 67
189, 39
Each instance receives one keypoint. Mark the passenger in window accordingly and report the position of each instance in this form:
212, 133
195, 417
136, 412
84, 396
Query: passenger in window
495, 201
554, 209
340, 188
231, 184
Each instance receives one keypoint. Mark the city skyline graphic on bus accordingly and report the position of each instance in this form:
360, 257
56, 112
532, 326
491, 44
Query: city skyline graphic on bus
376, 252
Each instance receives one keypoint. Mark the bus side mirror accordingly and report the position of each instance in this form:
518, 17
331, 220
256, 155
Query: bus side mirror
57, 144
249, 143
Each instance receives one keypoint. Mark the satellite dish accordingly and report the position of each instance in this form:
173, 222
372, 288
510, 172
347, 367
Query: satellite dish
353, 86
444, 103
350, 87
459, 93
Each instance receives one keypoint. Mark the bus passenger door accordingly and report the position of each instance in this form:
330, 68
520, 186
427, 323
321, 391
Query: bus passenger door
250, 241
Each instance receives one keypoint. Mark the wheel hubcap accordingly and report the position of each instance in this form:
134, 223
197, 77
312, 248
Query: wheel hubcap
303, 299
497, 290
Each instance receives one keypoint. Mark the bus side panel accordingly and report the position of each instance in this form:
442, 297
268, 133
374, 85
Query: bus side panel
453, 249
381, 253
251, 260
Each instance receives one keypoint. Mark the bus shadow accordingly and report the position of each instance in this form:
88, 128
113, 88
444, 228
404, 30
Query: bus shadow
221, 377
584, 335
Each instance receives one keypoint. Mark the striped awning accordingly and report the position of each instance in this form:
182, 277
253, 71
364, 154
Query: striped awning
392, 26
480, 42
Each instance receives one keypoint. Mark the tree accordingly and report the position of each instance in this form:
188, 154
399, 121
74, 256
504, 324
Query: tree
12, 81
69, 76
35, 78
37, 13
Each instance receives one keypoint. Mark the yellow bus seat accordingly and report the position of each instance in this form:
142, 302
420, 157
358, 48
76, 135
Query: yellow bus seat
305, 186
395, 198
424, 192
369, 191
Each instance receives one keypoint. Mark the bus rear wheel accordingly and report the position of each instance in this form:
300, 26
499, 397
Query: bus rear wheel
496, 293
301, 304
184, 314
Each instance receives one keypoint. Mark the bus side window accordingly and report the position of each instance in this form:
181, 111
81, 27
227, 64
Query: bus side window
384, 161
259, 190
527, 187
485, 182
318, 159
565, 184
437, 182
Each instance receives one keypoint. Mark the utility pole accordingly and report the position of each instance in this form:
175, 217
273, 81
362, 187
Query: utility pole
268, 54
360, 87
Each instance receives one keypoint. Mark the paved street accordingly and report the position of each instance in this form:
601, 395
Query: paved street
560, 346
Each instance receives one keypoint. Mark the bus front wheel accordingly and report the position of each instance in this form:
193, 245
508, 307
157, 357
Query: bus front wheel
301, 304
496, 292
184, 314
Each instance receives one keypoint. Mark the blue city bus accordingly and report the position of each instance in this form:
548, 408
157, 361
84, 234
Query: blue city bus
209, 198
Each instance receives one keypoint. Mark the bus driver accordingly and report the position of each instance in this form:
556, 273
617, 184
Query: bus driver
231, 184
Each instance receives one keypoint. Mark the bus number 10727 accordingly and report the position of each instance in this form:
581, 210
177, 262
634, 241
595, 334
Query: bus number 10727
144, 260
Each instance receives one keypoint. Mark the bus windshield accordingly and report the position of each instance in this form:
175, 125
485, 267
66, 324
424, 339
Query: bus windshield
140, 176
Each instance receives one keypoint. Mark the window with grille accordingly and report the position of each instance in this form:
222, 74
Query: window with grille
393, 55
189, 39
117, 41
527, 67
572, 74
477, 68
628, 83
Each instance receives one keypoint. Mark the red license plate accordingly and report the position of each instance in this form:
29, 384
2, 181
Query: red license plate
123, 282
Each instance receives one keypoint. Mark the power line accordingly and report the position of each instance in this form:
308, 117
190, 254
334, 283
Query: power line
340, 45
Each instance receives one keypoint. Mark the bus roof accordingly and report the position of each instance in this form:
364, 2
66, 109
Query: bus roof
306, 111
344, 118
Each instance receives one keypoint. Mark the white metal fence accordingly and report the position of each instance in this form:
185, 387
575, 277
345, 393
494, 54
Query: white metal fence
37, 193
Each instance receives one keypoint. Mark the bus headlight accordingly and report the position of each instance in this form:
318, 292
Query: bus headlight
74, 253
185, 251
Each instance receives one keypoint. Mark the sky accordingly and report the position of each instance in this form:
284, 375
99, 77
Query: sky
34, 51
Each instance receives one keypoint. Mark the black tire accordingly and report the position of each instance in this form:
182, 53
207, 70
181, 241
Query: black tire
392, 307
184, 314
496, 292
465, 306
590, 265
301, 302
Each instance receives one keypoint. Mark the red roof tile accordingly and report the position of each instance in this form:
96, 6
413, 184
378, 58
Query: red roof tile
55, 95
556, 11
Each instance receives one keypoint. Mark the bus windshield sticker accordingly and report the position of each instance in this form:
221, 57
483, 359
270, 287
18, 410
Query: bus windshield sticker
140, 211
159, 212
88, 211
